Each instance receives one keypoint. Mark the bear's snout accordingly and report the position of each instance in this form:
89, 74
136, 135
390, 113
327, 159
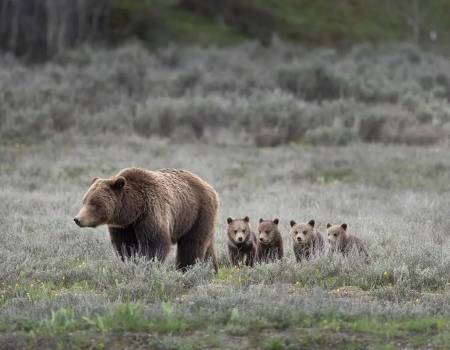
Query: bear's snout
85, 218
77, 221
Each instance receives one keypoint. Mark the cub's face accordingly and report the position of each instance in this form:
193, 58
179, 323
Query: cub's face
238, 229
267, 231
302, 233
336, 233
100, 202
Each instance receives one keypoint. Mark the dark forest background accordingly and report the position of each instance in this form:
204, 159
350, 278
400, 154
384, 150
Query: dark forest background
38, 29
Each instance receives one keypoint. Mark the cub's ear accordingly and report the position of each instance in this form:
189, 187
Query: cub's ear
261, 220
229, 220
311, 223
246, 219
118, 183
94, 179
292, 223
275, 221
344, 226
328, 225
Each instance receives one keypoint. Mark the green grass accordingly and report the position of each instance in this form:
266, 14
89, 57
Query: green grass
326, 330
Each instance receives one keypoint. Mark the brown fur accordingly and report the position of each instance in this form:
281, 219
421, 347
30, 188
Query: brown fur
307, 242
270, 243
147, 211
241, 242
341, 241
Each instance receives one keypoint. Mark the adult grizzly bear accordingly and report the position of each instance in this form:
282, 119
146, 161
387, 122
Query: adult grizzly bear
146, 211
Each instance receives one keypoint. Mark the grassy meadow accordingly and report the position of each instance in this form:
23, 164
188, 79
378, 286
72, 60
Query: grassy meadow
371, 152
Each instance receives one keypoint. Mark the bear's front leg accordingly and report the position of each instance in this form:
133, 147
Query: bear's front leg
250, 258
154, 242
124, 240
233, 254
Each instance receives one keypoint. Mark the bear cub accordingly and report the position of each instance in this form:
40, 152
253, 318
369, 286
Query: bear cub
241, 242
307, 242
270, 243
343, 242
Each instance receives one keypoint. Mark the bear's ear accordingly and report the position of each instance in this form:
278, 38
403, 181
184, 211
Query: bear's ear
344, 226
275, 221
118, 183
328, 225
292, 223
229, 220
94, 179
311, 223
261, 220
247, 219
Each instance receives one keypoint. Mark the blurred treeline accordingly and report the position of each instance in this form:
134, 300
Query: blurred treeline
38, 29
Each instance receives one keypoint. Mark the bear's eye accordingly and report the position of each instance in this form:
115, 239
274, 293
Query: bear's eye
296, 232
305, 232
235, 231
267, 232
335, 234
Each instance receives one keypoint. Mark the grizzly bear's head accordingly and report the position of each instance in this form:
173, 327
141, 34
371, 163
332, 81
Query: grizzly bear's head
238, 230
302, 233
337, 234
101, 202
268, 231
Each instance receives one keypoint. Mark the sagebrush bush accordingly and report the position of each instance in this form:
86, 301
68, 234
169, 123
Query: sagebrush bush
264, 95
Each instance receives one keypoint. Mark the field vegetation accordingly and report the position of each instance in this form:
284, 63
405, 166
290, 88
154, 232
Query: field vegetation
247, 95
359, 137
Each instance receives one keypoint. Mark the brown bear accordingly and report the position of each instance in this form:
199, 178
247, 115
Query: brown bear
341, 241
270, 243
241, 242
307, 242
147, 211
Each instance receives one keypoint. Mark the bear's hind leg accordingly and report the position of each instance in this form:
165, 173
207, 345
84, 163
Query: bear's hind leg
124, 240
189, 249
196, 244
